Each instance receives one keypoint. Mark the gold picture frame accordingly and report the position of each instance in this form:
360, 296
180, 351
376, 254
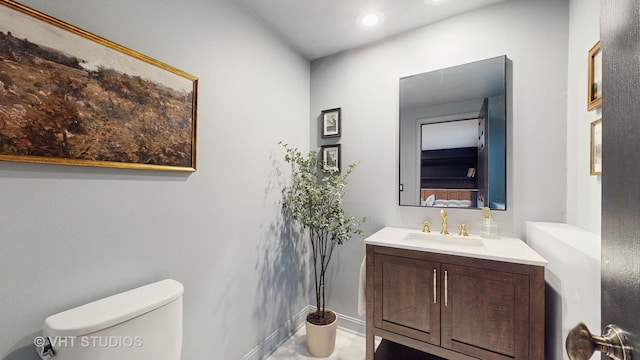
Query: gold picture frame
594, 86
71, 97
595, 158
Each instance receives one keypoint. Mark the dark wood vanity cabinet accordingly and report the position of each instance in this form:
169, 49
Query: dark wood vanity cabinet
455, 307
406, 285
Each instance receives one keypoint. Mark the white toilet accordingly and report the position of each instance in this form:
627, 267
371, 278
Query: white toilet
143, 323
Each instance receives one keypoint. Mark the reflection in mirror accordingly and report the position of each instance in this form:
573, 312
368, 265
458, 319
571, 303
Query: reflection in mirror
453, 136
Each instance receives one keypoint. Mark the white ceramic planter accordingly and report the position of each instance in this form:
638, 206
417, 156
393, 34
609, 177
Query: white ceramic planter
321, 339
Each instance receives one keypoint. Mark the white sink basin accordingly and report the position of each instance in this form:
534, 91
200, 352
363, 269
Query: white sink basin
504, 249
446, 241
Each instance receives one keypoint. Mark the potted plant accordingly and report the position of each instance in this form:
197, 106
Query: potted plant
314, 198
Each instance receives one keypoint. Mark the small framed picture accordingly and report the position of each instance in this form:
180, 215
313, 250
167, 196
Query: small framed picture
594, 89
330, 156
596, 147
331, 122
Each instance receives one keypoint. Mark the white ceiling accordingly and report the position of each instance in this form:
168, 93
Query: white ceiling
318, 28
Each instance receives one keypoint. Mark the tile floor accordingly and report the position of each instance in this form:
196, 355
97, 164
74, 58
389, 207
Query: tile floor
349, 346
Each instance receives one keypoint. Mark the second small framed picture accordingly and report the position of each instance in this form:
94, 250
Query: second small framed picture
596, 147
331, 123
330, 157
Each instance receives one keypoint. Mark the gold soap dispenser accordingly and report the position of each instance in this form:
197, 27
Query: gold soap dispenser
488, 226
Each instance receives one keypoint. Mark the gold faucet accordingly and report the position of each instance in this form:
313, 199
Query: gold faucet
425, 227
463, 230
443, 216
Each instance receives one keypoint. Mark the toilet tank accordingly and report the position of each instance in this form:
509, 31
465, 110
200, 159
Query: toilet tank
143, 323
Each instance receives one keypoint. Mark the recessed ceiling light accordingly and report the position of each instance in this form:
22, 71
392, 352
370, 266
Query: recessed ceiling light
370, 19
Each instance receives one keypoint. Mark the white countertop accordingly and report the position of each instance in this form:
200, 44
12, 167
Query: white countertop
502, 249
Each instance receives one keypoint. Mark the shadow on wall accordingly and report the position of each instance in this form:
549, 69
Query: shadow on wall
26, 352
223, 311
281, 266
554, 345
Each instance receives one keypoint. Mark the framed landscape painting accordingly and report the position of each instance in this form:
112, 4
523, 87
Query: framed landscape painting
594, 87
71, 97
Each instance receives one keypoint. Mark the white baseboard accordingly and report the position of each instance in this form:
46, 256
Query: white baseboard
275, 339
352, 325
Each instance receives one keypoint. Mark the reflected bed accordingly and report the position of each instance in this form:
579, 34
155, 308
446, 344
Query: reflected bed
447, 198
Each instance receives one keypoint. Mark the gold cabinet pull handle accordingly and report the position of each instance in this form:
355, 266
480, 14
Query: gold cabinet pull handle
435, 288
446, 292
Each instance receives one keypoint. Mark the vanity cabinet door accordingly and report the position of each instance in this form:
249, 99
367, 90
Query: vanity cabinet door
485, 313
406, 297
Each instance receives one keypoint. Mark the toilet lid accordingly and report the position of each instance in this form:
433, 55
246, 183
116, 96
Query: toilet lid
110, 311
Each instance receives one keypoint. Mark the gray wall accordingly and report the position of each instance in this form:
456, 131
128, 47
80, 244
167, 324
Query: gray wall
364, 82
584, 192
70, 235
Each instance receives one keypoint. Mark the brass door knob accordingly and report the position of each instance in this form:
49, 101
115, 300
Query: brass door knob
581, 344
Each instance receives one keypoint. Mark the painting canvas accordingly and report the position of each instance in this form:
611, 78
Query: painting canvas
70, 97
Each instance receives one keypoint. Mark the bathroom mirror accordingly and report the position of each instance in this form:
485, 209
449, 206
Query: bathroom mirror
452, 128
